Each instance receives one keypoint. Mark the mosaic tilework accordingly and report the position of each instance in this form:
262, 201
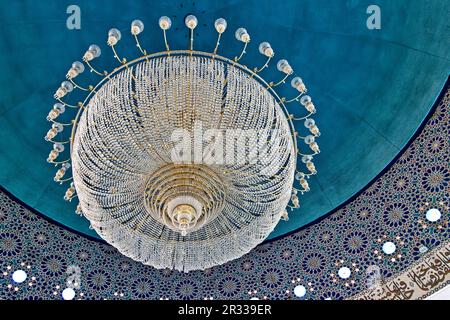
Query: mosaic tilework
392, 209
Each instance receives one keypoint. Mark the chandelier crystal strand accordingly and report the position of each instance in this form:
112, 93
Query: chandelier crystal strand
196, 213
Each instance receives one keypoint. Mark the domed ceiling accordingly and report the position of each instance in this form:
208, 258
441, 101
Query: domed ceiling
373, 87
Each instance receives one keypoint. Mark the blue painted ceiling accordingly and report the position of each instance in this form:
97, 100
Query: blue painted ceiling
372, 88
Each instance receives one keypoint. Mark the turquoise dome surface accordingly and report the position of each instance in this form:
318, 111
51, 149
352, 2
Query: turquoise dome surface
372, 88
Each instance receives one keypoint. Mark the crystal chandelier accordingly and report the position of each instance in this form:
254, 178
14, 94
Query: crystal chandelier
145, 181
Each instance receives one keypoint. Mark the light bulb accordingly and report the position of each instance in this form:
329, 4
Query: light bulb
52, 156
311, 167
314, 147
297, 83
314, 130
242, 35
220, 25
59, 107
58, 147
75, 70
92, 52
284, 66
191, 21
165, 23
284, 215
306, 158
52, 115
137, 26
51, 134
266, 49
309, 123
114, 35
58, 127
305, 100
67, 86
309, 139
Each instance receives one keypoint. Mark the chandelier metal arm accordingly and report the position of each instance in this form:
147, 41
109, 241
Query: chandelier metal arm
266, 64
122, 61
236, 59
60, 142
166, 42
92, 69
68, 105
282, 81
138, 44
311, 155
217, 44
302, 118
294, 99
191, 40
59, 162
65, 180
63, 124
89, 88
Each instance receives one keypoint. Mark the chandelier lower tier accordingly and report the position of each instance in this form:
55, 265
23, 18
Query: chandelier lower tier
183, 159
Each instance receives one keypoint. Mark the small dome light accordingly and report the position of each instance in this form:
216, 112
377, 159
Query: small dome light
344, 273
433, 215
300, 291
191, 21
19, 276
389, 248
68, 294
220, 25
165, 23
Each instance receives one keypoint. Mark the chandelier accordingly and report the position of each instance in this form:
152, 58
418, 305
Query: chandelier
182, 159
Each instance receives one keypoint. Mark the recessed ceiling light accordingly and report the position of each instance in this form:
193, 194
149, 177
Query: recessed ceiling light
433, 215
68, 294
389, 248
300, 291
344, 273
19, 276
